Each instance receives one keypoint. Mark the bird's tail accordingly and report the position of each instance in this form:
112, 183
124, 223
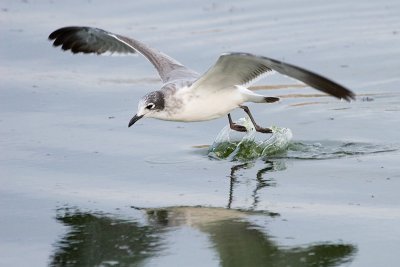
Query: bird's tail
250, 96
269, 99
262, 99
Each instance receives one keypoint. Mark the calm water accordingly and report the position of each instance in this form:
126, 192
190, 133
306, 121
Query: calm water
78, 188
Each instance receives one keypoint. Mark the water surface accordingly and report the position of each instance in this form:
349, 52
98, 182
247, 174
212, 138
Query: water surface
78, 188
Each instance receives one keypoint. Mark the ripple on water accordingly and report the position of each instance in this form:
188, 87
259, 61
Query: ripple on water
333, 149
249, 146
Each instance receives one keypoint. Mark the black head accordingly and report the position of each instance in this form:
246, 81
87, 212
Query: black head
149, 105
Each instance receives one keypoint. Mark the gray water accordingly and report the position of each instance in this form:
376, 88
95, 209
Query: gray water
78, 188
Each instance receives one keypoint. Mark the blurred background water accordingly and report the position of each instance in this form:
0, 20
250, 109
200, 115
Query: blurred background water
78, 188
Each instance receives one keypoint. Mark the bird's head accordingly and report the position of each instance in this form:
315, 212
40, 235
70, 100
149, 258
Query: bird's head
148, 106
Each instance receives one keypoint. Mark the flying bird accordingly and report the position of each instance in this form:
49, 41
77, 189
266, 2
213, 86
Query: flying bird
185, 94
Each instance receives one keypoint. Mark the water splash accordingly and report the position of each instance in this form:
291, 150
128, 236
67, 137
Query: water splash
236, 146
233, 145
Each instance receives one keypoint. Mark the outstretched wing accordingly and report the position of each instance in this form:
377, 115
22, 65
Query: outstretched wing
242, 68
93, 40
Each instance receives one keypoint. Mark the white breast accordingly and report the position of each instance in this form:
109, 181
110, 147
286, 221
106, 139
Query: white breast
201, 106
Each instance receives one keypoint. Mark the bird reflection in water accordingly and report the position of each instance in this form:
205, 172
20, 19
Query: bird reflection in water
262, 176
96, 239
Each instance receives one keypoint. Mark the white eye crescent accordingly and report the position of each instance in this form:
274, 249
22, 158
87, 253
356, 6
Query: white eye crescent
150, 106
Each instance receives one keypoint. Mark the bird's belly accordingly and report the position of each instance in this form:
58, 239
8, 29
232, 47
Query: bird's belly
207, 108
201, 114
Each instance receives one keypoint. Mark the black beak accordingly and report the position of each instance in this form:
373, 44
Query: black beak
134, 119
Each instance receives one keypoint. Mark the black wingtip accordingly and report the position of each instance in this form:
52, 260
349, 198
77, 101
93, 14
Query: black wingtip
68, 39
53, 35
64, 30
58, 32
352, 97
347, 95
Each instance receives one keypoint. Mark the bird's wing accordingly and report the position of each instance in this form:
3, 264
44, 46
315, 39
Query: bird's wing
93, 40
242, 68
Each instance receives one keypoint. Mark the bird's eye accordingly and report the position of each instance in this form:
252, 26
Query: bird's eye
150, 106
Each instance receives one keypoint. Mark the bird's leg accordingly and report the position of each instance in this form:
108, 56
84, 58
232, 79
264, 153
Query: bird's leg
235, 126
256, 126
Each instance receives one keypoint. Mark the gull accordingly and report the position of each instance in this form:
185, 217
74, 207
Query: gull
186, 95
